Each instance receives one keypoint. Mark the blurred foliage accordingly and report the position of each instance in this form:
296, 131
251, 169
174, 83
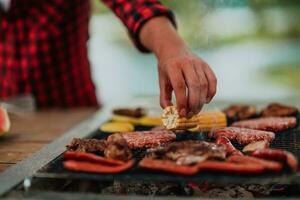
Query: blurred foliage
274, 19
98, 7
287, 74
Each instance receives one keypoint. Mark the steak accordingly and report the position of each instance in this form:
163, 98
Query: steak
147, 139
87, 145
188, 152
275, 124
279, 110
130, 112
242, 135
240, 112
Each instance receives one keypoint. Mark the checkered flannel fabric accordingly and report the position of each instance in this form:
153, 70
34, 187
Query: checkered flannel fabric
43, 47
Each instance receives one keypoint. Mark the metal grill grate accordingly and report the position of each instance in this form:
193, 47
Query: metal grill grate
288, 140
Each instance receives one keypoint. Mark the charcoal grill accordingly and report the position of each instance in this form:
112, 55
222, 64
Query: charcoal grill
41, 176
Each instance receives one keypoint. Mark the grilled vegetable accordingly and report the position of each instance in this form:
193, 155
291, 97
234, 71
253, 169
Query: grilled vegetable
263, 144
150, 121
209, 165
269, 165
113, 127
278, 155
230, 167
167, 166
85, 166
87, 162
91, 158
204, 121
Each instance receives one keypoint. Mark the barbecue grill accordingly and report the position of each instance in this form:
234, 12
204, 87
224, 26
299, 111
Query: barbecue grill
43, 175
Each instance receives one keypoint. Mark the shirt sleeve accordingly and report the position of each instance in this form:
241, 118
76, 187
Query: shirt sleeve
135, 13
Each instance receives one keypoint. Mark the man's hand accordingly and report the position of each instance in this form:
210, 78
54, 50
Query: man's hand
181, 71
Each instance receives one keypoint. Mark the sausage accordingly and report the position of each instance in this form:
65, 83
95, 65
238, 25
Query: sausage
167, 166
278, 155
230, 167
91, 158
230, 149
268, 165
85, 166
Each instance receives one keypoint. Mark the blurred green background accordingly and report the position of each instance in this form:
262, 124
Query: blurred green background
252, 45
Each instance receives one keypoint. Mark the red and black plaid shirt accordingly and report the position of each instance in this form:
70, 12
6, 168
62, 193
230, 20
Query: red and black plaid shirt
43, 47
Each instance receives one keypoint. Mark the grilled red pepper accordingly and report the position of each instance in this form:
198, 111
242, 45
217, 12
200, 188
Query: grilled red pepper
278, 155
85, 166
91, 158
230, 149
229, 167
268, 165
167, 166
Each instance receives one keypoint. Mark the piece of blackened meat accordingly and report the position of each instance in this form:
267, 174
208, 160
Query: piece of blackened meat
117, 148
87, 145
242, 135
130, 112
188, 152
275, 124
279, 110
240, 112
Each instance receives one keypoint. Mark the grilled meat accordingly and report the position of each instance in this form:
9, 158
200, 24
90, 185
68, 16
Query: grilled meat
147, 139
130, 112
230, 149
275, 124
240, 112
87, 145
279, 110
117, 148
188, 152
242, 135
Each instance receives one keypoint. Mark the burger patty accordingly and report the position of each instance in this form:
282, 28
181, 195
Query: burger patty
147, 139
279, 110
242, 135
275, 124
240, 112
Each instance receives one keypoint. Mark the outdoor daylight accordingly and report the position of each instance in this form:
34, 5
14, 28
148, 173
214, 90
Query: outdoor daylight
149, 99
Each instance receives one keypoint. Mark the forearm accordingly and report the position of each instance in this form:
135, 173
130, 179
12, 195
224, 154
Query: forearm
159, 36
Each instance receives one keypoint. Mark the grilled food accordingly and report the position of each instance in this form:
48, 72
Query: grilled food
204, 121
230, 149
117, 148
278, 155
130, 112
240, 112
113, 127
87, 145
147, 139
86, 162
150, 121
129, 115
275, 124
263, 144
279, 110
242, 135
188, 152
